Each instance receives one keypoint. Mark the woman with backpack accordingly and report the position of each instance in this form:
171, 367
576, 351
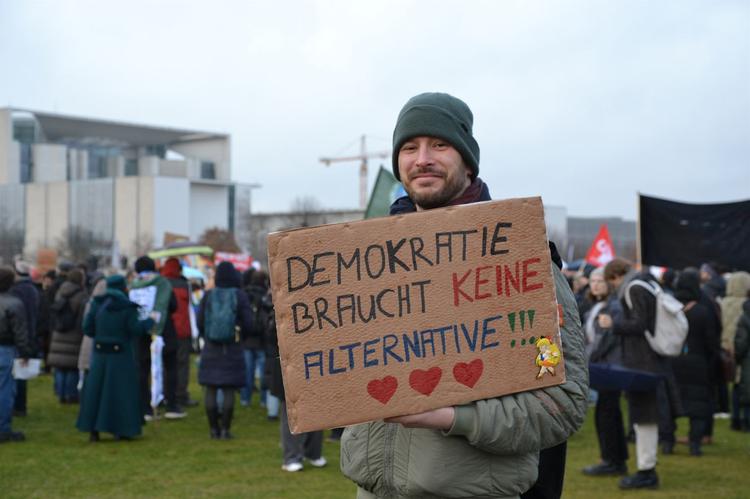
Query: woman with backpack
66, 314
224, 319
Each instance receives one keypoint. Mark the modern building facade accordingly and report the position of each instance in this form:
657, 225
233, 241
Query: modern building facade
117, 187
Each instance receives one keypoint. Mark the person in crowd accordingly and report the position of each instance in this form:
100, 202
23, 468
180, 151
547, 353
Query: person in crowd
602, 346
67, 334
738, 286
256, 287
581, 287
692, 368
447, 451
87, 344
742, 356
172, 270
154, 294
643, 406
667, 280
14, 342
712, 281
272, 372
23, 288
224, 319
43, 332
110, 399
302, 446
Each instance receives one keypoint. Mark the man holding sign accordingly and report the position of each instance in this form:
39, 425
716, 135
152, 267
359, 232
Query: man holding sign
486, 448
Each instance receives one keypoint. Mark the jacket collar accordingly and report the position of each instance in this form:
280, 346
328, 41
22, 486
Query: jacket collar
476, 192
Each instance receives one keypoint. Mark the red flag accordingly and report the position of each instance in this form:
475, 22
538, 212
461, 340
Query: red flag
602, 250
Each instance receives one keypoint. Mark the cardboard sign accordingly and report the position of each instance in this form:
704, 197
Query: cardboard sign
399, 315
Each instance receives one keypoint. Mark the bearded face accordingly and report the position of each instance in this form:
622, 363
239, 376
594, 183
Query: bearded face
432, 172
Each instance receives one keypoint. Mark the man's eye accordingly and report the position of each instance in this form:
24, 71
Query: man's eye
408, 147
441, 145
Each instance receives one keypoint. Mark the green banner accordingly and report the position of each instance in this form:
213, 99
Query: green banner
385, 192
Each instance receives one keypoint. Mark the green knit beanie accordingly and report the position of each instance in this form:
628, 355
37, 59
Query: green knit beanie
437, 115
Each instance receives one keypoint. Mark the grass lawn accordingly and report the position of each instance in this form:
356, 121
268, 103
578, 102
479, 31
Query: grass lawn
177, 459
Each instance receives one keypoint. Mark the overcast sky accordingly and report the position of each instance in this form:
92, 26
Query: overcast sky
582, 102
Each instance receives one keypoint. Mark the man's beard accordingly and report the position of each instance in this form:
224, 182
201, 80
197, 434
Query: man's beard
454, 186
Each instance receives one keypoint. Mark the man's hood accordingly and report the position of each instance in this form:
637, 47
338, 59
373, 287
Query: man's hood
67, 289
738, 285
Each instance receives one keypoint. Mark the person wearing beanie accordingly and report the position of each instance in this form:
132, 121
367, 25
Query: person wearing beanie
692, 368
446, 452
67, 334
110, 399
153, 292
224, 320
172, 270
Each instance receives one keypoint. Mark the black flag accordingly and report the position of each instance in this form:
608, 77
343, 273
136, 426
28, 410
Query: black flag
680, 235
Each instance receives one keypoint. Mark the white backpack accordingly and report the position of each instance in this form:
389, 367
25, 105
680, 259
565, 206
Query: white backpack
671, 327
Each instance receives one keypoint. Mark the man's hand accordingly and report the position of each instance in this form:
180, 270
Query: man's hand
605, 321
437, 419
24, 362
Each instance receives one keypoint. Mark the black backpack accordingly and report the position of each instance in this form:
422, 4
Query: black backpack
259, 308
62, 315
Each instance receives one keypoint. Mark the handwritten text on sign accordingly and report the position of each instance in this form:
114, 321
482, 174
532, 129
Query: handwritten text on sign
448, 303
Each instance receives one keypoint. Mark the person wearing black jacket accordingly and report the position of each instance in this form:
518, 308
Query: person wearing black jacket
636, 318
25, 291
222, 364
14, 342
254, 345
693, 367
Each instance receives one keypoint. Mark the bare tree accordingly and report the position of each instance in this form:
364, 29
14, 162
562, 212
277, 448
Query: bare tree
305, 212
11, 240
220, 240
143, 243
81, 243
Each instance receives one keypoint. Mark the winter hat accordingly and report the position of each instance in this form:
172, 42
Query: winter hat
437, 115
171, 268
227, 276
22, 268
145, 264
117, 282
687, 286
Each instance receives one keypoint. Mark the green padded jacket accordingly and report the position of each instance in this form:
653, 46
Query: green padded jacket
492, 449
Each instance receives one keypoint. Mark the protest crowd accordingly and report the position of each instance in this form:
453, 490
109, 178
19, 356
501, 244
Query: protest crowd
121, 344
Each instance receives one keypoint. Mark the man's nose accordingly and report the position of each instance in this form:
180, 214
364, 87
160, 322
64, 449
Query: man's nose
424, 155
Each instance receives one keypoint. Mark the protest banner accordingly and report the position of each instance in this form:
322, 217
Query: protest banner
399, 315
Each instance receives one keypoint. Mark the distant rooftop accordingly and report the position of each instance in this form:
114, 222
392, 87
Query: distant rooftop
62, 128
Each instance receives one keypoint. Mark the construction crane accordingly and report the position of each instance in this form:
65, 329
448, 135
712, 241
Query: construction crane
363, 157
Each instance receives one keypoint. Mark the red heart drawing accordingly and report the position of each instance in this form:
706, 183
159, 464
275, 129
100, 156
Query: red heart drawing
468, 374
425, 381
382, 390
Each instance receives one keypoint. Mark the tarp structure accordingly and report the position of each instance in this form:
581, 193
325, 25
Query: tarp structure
181, 249
680, 235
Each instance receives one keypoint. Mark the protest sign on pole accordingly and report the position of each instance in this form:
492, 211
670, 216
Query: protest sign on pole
399, 315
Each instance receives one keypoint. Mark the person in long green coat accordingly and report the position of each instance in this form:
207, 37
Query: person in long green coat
111, 402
